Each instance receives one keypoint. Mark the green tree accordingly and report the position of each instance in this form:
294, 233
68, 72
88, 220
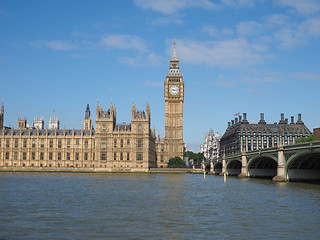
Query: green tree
176, 162
311, 138
197, 157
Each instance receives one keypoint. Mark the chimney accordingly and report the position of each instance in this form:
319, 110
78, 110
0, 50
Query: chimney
229, 124
240, 119
232, 121
236, 120
244, 118
262, 121
286, 120
292, 120
282, 119
299, 119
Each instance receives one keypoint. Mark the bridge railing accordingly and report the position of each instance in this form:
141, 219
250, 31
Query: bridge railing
274, 149
302, 145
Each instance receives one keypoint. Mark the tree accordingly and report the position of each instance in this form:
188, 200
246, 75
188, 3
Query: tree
176, 162
197, 157
311, 138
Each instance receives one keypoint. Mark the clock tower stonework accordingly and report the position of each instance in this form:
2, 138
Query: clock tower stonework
174, 98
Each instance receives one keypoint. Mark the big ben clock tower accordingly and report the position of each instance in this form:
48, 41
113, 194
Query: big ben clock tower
174, 97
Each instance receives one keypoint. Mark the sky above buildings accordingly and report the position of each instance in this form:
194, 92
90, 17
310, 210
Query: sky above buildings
236, 56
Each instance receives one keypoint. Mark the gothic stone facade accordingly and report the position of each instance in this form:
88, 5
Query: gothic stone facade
110, 146
211, 146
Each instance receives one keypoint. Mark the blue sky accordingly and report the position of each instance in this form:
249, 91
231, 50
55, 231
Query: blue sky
248, 56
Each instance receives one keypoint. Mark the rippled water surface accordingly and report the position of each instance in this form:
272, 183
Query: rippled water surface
155, 206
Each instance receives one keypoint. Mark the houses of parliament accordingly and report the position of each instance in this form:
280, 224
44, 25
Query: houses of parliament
108, 147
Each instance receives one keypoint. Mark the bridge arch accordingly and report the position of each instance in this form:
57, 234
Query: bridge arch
217, 168
304, 166
233, 167
262, 166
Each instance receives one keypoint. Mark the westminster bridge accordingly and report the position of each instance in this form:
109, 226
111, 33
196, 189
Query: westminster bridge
297, 162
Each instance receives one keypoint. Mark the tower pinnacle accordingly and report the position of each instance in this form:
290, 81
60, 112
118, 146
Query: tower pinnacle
174, 56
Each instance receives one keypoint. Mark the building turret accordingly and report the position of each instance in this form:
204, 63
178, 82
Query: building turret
87, 119
2, 116
22, 123
148, 111
54, 123
39, 124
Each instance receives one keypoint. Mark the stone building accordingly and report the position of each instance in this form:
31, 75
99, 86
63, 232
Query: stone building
316, 133
110, 146
244, 136
211, 146
172, 144
2, 116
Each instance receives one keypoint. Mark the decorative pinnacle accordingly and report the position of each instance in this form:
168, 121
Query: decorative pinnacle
174, 56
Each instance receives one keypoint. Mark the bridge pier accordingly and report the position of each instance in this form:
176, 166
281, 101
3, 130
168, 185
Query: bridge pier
244, 171
224, 170
281, 169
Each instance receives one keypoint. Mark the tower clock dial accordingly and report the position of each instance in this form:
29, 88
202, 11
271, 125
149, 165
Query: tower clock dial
174, 90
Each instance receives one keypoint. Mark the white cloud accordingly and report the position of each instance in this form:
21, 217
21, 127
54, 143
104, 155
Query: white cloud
217, 33
149, 59
249, 28
277, 20
239, 3
292, 36
252, 90
311, 27
169, 7
122, 41
305, 7
166, 20
231, 53
307, 76
153, 84
57, 45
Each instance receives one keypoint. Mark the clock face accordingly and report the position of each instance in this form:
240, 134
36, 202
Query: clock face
174, 90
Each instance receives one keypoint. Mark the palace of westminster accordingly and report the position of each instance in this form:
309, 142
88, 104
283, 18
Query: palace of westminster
133, 147
110, 146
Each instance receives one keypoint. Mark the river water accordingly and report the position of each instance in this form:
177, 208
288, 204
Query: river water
155, 206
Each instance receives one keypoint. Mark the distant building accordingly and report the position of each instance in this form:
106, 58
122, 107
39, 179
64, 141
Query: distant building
244, 136
211, 146
38, 123
316, 133
54, 123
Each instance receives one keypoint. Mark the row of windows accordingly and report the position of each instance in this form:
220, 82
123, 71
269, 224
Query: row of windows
103, 143
103, 155
33, 143
68, 165
275, 133
50, 156
123, 156
104, 128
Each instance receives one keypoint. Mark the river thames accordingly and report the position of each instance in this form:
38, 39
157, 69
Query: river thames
155, 206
